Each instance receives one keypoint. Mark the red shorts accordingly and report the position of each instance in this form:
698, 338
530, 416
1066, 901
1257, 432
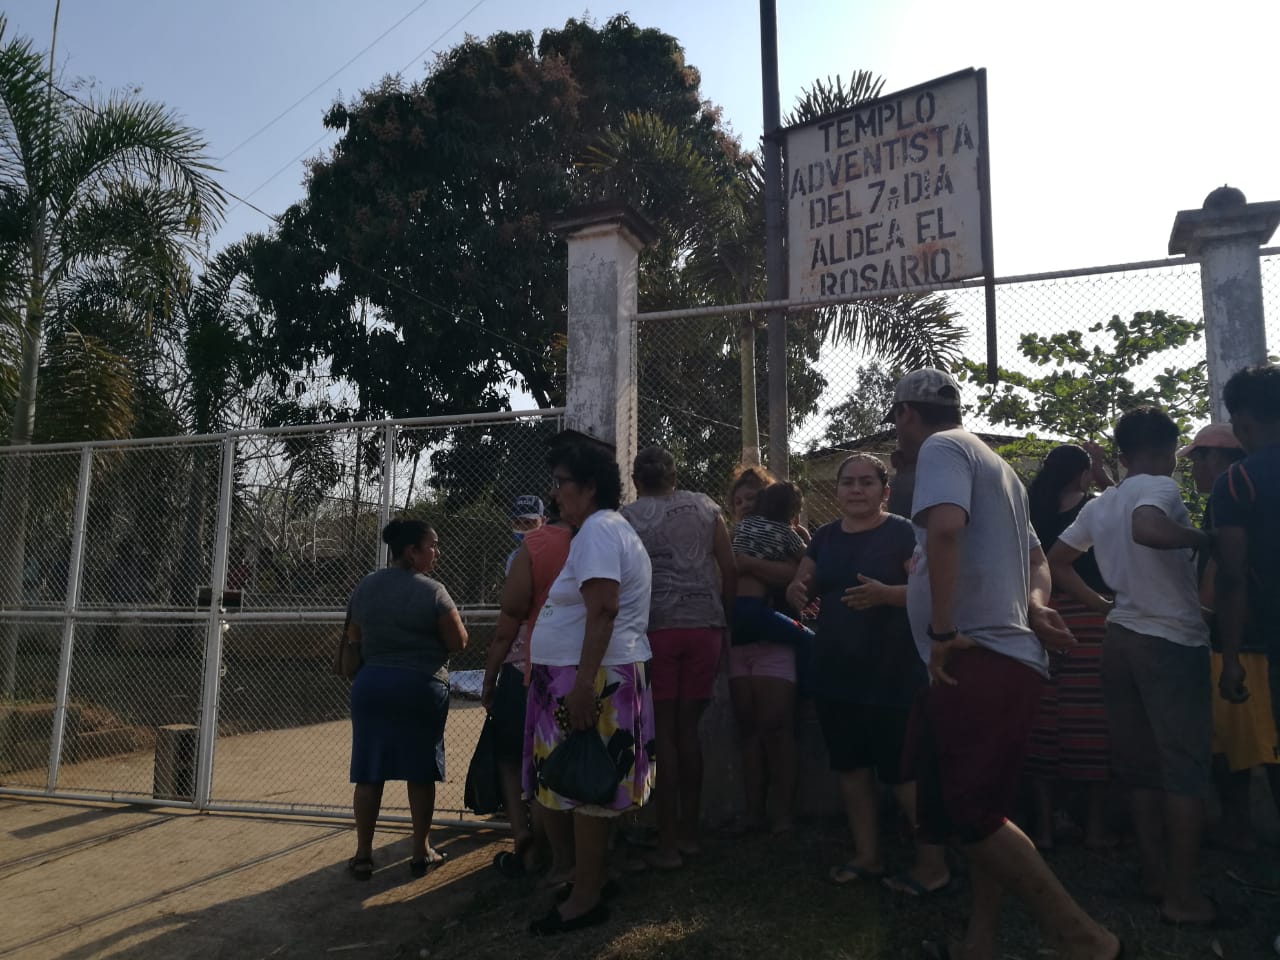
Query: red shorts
966, 745
685, 661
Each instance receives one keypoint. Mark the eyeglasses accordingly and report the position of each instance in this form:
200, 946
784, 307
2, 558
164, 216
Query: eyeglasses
559, 481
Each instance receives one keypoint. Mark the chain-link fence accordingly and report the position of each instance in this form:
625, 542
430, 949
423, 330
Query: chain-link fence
124, 677
1075, 348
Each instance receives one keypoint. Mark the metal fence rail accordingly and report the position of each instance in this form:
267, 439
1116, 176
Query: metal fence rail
170, 636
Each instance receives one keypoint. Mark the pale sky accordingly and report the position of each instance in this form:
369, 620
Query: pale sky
1105, 117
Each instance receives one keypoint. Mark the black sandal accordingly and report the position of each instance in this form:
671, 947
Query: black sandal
360, 867
553, 924
419, 868
608, 892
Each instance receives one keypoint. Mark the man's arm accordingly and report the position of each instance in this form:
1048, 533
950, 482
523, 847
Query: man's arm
945, 524
1151, 527
1062, 560
1043, 619
1232, 608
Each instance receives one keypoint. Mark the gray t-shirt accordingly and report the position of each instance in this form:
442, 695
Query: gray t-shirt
994, 577
398, 614
677, 531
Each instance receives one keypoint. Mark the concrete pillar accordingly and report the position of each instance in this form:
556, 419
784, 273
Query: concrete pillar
1226, 234
605, 241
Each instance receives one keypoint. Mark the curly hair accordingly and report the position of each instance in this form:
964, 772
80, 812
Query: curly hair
591, 463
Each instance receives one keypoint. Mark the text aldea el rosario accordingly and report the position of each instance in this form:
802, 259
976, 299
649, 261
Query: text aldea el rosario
837, 190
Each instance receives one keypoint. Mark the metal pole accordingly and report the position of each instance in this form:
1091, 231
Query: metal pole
213, 637
388, 479
776, 320
75, 564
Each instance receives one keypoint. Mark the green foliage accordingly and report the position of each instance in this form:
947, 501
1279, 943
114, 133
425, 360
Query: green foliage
1089, 382
118, 185
863, 409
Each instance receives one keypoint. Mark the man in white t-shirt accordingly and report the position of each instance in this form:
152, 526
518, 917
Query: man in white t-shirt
977, 599
1155, 661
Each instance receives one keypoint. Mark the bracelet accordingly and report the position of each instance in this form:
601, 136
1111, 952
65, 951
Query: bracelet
941, 637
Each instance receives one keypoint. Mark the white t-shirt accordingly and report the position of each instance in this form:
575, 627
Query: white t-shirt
1157, 591
606, 547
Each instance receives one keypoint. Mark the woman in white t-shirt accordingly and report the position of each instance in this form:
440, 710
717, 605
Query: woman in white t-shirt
589, 652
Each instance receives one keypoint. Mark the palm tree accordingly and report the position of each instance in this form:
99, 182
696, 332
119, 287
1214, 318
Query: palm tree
118, 181
713, 244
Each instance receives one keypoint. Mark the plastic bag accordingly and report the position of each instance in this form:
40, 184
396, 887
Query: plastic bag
482, 792
580, 769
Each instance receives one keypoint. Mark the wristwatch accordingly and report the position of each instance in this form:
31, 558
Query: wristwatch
941, 637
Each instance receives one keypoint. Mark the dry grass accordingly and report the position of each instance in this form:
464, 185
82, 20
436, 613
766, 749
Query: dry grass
768, 897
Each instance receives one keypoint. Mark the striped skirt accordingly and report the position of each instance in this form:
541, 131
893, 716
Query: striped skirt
1069, 740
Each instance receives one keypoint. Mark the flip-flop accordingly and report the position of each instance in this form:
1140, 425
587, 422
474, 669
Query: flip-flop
856, 874
360, 867
909, 886
1221, 920
419, 868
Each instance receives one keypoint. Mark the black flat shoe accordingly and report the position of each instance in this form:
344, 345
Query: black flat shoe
553, 924
419, 868
360, 867
608, 892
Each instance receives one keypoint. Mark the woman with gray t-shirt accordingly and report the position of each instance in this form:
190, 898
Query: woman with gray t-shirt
694, 579
405, 627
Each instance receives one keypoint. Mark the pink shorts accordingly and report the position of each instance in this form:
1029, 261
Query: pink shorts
685, 661
774, 660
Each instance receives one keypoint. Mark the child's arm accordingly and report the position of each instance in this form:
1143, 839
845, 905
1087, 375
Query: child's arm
1151, 527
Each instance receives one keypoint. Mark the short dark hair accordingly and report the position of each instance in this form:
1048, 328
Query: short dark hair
1255, 391
779, 502
591, 463
935, 414
654, 469
400, 535
1145, 428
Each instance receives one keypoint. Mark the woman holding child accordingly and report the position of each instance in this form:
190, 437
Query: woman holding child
763, 642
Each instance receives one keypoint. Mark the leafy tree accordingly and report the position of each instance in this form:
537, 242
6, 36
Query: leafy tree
1091, 377
118, 181
862, 411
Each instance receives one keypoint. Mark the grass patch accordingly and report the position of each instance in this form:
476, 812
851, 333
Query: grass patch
769, 897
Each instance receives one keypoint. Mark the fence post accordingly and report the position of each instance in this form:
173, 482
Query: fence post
1225, 235
388, 488
605, 241
75, 565
210, 688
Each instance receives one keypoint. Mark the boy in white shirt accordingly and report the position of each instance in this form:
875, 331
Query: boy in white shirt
1155, 661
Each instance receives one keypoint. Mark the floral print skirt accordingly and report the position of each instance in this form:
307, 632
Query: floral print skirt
625, 725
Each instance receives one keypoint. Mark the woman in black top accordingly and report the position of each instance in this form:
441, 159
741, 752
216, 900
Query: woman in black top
1070, 740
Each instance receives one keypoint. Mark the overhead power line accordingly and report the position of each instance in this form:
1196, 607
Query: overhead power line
319, 86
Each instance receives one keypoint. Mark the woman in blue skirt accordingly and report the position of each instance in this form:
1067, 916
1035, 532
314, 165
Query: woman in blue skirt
405, 627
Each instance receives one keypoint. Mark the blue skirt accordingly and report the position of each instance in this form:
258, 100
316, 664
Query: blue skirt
397, 725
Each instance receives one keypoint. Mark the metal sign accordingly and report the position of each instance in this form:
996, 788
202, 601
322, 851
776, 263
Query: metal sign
892, 195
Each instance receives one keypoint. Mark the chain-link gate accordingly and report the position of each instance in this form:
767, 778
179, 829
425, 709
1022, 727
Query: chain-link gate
172, 607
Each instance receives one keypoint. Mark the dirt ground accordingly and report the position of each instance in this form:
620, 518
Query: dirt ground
86, 881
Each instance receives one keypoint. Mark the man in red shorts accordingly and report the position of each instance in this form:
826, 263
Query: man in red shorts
977, 598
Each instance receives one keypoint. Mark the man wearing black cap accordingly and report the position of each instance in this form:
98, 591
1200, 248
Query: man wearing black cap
978, 601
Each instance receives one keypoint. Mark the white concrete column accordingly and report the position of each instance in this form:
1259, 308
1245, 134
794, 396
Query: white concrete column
605, 241
1226, 234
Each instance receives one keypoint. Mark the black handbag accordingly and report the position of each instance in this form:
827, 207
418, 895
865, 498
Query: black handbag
580, 769
482, 792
